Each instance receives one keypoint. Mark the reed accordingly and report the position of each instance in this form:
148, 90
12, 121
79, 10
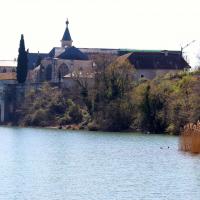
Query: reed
190, 138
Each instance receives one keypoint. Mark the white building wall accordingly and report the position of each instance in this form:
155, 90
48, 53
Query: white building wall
152, 73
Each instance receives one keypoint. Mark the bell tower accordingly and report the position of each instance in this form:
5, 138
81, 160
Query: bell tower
66, 39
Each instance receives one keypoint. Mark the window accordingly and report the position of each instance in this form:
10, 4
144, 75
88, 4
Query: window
63, 69
48, 73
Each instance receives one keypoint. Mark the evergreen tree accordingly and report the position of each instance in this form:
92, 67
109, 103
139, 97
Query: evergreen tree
22, 62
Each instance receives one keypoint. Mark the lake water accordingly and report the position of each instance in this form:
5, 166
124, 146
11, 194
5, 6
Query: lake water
40, 164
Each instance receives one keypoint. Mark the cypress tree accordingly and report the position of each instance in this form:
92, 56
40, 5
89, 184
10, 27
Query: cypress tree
22, 62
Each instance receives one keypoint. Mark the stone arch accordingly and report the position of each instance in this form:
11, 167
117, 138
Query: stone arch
63, 69
48, 73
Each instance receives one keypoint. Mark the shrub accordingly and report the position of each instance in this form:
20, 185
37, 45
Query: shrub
39, 118
75, 114
49, 106
93, 126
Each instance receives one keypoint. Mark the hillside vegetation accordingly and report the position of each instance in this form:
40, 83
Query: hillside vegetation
167, 103
117, 103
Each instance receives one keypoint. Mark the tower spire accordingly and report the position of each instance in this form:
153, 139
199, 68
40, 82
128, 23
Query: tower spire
66, 39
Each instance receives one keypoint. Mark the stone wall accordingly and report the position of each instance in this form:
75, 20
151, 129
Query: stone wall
11, 96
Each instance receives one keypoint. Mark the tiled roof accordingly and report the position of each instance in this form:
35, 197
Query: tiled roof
72, 53
55, 52
99, 50
66, 36
125, 51
156, 60
8, 76
33, 58
8, 63
52, 53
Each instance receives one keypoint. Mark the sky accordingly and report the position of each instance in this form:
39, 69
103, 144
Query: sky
134, 24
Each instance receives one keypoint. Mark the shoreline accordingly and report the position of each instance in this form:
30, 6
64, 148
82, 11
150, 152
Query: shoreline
77, 128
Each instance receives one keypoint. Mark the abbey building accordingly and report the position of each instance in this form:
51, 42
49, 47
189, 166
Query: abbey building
64, 63
61, 62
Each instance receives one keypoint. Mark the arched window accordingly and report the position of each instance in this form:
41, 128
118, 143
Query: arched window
63, 69
48, 73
